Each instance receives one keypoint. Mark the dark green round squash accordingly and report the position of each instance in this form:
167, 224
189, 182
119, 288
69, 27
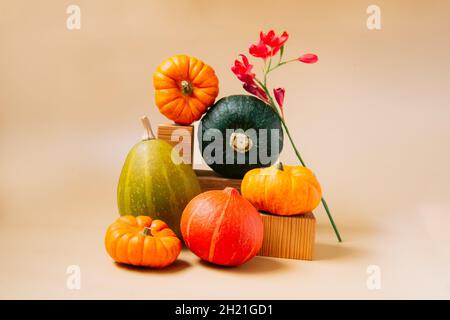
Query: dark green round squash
240, 133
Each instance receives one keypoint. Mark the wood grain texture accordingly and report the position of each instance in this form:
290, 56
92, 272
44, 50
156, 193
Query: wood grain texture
209, 180
289, 237
180, 136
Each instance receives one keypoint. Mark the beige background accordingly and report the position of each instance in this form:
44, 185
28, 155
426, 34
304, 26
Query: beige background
372, 120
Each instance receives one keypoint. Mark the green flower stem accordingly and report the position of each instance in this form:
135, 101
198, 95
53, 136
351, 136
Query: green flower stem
281, 63
281, 54
297, 153
324, 203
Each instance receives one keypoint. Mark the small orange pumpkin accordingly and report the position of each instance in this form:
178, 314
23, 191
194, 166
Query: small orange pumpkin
185, 87
282, 190
140, 241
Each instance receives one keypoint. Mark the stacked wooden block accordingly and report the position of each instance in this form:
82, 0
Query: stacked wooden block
289, 237
181, 137
209, 180
284, 237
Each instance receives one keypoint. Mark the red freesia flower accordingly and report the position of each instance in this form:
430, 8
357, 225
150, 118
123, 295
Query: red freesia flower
308, 58
260, 50
279, 96
243, 70
256, 91
269, 44
271, 40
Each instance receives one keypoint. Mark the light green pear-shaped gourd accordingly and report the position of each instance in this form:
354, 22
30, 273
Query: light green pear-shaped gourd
156, 183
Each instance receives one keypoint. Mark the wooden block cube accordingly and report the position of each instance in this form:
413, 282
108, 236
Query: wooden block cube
181, 137
290, 237
209, 180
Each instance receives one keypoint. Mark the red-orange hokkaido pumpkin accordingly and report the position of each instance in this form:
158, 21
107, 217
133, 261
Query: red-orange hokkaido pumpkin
222, 227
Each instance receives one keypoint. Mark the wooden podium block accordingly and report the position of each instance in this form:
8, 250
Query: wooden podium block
209, 180
181, 137
290, 237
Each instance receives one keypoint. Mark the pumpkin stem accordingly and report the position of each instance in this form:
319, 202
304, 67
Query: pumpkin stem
231, 191
147, 231
186, 88
240, 142
280, 166
146, 123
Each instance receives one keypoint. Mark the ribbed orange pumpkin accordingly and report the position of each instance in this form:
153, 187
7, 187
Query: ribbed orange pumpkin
140, 241
185, 87
222, 227
282, 190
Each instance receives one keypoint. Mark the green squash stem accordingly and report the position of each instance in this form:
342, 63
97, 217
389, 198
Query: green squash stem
148, 128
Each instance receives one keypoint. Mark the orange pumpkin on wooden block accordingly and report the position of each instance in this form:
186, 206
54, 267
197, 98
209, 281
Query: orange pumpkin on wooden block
282, 190
185, 87
141, 241
221, 227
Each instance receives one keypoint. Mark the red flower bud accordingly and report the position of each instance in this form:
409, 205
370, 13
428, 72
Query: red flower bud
279, 96
308, 58
256, 91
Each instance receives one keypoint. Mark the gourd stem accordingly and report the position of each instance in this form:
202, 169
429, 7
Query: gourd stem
280, 166
148, 128
186, 88
147, 231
